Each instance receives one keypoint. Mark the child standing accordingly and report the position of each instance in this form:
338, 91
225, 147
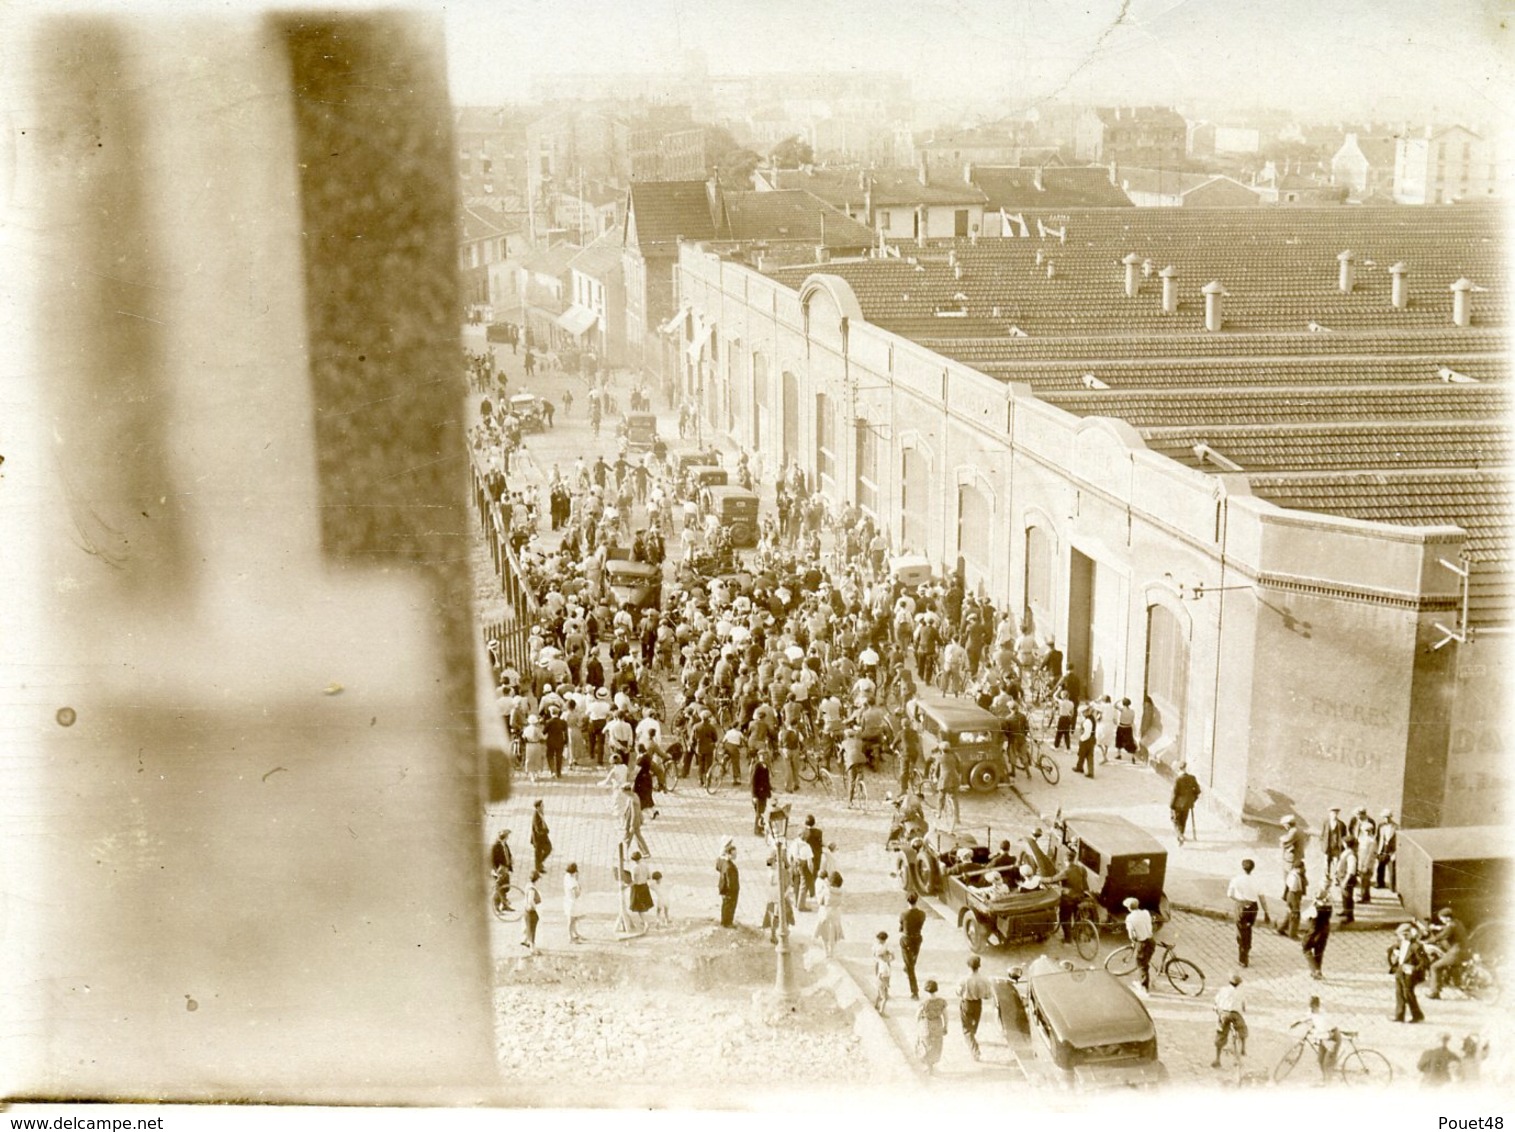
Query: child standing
532, 918
883, 969
659, 901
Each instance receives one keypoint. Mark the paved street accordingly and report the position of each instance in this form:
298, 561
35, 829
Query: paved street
685, 837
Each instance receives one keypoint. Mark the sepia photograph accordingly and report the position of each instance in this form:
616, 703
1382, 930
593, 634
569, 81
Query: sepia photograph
685, 562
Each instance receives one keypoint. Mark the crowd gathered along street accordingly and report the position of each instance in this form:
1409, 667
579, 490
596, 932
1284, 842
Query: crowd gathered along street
653, 744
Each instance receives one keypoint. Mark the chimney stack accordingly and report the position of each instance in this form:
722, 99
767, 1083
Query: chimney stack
1213, 293
968, 173
920, 224
1169, 276
822, 253
1347, 276
1036, 180
1399, 292
1462, 302
1132, 262
1041, 257
923, 170
1148, 267
957, 271
1051, 270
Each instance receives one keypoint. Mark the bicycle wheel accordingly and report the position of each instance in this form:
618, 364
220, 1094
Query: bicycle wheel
1048, 768
1230, 1060
509, 903
826, 781
1085, 937
1288, 1061
712, 779
857, 795
1366, 1067
1121, 962
1186, 977
1478, 981
807, 770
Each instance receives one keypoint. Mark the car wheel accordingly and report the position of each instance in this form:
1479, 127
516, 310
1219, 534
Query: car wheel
922, 872
984, 777
978, 935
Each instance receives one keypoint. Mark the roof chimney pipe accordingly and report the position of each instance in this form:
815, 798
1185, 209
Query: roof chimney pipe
1133, 284
1213, 293
923, 168
1399, 291
1462, 302
1169, 276
1347, 277
920, 224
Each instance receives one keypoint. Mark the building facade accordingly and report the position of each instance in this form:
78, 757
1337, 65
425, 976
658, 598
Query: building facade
1288, 657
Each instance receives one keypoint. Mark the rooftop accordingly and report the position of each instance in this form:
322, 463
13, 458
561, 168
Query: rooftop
663, 212
790, 215
603, 256
1014, 187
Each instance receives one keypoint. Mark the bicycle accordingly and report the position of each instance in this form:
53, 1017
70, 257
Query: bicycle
1232, 1057
714, 777
508, 901
1355, 1066
1083, 929
1183, 974
1042, 761
857, 791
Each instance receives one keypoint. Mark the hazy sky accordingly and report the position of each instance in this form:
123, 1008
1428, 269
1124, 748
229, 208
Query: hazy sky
1314, 54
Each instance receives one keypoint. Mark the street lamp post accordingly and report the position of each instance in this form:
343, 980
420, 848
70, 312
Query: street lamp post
778, 830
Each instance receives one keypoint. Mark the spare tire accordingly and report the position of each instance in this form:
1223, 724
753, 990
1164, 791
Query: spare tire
984, 777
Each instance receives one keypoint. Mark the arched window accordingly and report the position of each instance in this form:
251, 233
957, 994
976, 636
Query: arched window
974, 527
825, 441
1167, 674
1039, 577
915, 500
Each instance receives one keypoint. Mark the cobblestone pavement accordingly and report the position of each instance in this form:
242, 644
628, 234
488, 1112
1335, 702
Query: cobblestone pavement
685, 836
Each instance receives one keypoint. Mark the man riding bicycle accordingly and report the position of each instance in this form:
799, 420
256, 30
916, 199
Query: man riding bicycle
874, 729
1323, 1035
853, 760
1230, 1014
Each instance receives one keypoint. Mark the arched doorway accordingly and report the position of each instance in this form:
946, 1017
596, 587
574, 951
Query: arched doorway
1167, 683
791, 413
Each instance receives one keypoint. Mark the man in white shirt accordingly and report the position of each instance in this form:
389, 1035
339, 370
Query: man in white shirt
1324, 1034
1230, 1014
1247, 897
1139, 931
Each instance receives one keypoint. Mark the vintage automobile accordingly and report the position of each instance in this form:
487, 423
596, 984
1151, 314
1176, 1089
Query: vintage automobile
1093, 1029
736, 509
1120, 859
640, 431
527, 408
910, 570
964, 731
683, 461
993, 920
698, 476
937, 853
638, 584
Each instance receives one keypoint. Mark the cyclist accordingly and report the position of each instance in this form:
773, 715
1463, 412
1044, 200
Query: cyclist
947, 781
1075, 890
853, 760
1017, 730
502, 861
1323, 1035
910, 749
873, 729
1447, 943
1230, 1014
731, 753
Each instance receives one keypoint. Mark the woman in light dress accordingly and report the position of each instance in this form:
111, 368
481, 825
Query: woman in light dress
1104, 727
828, 929
572, 890
534, 739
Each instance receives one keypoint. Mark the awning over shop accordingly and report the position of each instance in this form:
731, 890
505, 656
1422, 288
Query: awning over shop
577, 319
702, 333
673, 324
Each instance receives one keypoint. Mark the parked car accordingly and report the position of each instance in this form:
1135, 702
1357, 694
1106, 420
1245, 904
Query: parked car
735, 508
974, 737
1093, 1029
698, 476
527, 408
683, 461
1120, 859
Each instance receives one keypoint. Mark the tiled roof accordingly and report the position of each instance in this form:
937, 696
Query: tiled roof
1356, 446
903, 186
1014, 187
790, 215
1379, 413
1161, 182
1149, 115
965, 139
549, 261
1379, 151
840, 188
663, 212
601, 258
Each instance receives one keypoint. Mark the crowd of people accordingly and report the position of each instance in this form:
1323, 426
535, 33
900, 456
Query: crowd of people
812, 651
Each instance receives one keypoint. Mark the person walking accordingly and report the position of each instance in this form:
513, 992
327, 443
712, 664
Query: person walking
972, 992
1291, 843
728, 882
1246, 897
1407, 963
1186, 792
1104, 727
1333, 838
541, 837
1319, 933
1085, 758
816, 842
883, 970
534, 744
640, 901
572, 890
762, 790
502, 863
1345, 876
631, 821
1140, 932
556, 730
932, 1020
1436, 1065
1125, 730
912, 925
828, 928
1293, 897
532, 917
